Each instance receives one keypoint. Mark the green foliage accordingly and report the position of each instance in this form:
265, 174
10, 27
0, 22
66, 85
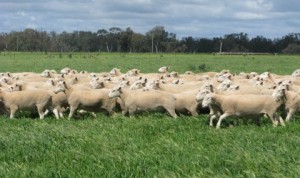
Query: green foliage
149, 144
202, 67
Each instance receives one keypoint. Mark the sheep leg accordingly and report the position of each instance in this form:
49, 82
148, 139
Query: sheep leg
289, 115
124, 113
41, 112
13, 110
223, 116
280, 120
72, 110
273, 119
46, 112
111, 112
94, 114
172, 112
55, 111
61, 114
212, 119
131, 112
193, 111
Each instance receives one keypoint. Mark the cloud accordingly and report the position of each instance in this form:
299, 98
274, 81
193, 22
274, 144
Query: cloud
198, 18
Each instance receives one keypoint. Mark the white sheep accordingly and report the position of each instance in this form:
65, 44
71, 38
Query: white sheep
90, 100
164, 69
24, 100
292, 103
245, 105
135, 100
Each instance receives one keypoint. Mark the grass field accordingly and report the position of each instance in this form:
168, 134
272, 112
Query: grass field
150, 144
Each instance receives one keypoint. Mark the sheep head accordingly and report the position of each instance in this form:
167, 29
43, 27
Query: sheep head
115, 92
61, 86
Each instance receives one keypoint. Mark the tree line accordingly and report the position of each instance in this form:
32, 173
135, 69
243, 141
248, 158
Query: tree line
155, 40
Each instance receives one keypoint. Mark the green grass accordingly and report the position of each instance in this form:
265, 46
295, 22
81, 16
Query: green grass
149, 144
103, 62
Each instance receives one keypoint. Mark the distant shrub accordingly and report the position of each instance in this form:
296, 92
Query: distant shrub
192, 68
70, 56
202, 67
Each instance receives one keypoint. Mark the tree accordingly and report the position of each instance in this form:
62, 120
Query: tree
292, 38
292, 49
155, 37
235, 42
126, 40
139, 43
260, 44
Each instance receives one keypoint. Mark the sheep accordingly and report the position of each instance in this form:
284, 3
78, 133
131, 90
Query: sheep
65, 70
28, 99
296, 73
171, 88
96, 83
48, 73
135, 100
115, 72
164, 69
93, 100
133, 72
292, 103
247, 105
151, 85
214, 110
59, 100
138, 84
185, 101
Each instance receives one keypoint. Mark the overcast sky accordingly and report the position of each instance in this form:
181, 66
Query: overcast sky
197, 18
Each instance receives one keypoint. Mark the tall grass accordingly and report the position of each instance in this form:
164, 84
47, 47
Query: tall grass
149, 144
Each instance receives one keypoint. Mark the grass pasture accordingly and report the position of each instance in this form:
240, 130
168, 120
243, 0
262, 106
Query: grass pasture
149, 144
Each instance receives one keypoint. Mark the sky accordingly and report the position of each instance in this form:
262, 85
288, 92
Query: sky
196, 18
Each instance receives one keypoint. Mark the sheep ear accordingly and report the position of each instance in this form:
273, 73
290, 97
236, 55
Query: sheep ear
120, 89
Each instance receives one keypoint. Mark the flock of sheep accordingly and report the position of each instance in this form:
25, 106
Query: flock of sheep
224, 94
